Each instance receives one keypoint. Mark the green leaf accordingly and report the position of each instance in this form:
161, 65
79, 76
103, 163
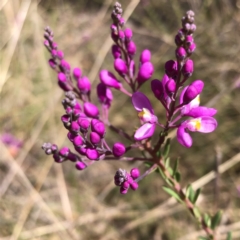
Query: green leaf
196, 195
166, 148
172, 193
190, 193
197, 213
203, 238
229, 236
216, 219
175, 167
207, 219
167, 162
159, 154
177, 176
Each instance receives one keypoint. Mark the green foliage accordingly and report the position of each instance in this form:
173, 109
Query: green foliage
172, 193
166, 148
191, 194
229, 236
207, 219
216, 219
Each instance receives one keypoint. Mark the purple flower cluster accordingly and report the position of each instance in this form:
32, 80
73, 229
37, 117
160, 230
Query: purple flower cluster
85, 121
166, 91
125, 180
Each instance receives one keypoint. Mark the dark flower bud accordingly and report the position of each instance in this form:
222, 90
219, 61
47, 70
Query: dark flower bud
188, 67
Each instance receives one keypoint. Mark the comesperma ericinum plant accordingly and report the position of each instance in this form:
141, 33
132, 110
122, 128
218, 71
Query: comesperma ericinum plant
86, 122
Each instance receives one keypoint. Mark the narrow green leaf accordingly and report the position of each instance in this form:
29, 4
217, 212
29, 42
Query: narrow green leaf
198, 191
172, 193
203, 238
170, 170
175, 167
197, 213
190, 193
216, 219
177, 176
167, 162
166, 148
159, 154
229, 236
207, 219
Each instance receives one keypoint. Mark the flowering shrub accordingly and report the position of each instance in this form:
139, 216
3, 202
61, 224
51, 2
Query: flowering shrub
86, 122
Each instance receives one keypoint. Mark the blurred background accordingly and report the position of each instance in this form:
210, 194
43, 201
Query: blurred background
40, 199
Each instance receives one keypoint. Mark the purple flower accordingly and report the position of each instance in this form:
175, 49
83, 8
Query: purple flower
109, 79
90, 110
104, 95
145, 56
145, 72
203, 124
146, 115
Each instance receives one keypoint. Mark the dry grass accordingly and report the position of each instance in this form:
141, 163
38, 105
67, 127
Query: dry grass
43, 200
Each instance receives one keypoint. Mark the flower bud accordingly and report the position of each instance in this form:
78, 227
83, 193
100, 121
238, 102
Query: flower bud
171, 68
194, 89
75, 126
81, 150
181, 53
191, 48
80, 165
64, 151
60, 54
92, 154
157, 89
78, 141
84, 124
145, 56
132, 69
118, 149
131, 48
109, 79
65, 65
123, 190
121, 36
52, 63
104, 94
135, 173
128, 34
63, 82
90, 110
116, 51
170, 87
77, 73
188, 68
98, 127
71, 136
145, 72
84, 85
189, 40
95, 138
120, 66
134, 186
54, 53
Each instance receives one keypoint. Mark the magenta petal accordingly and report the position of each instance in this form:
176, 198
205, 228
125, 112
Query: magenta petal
183, 137
140, 101
182, 94
208, 124
201, 112
145, 131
